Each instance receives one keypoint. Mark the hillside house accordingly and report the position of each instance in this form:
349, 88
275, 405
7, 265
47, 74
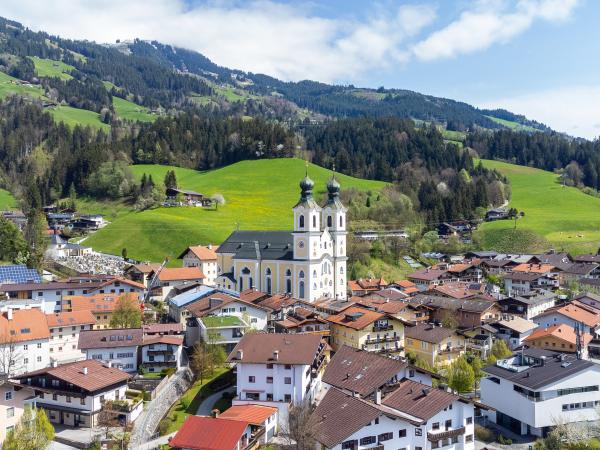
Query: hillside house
575, 315
434, 344
559, 338
168, 278
14, 399
160, 352
528, 305
203, 257
514, 329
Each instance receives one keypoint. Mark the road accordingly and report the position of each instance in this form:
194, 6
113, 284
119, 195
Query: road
205, 408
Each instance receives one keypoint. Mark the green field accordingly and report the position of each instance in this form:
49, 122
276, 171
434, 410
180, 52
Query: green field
516, 126
74, 116
10, 86
258, 194
7, 201
51, 68
565, 216
132, 111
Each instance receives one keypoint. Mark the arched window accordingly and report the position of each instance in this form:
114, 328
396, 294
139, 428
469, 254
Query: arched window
301, 274
314, 221
246, 271
250, 283
288, 286
341, 221
241, 284
301, 289
329, 221
268, 271
301, 220
288, 273
269, 285
315, 273
341, 270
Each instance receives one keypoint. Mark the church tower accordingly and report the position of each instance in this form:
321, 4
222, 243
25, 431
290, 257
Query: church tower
334, 220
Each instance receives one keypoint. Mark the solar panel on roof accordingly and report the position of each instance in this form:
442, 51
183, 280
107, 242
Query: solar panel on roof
18, 273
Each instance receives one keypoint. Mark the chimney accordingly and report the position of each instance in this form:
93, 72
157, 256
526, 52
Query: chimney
240, 354
109, 364
85, 370
215, 413
54, 363
209, 246
378, 397
9, 314
276, 355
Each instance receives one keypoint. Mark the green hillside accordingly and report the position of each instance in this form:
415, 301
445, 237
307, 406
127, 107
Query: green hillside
7, 201
51, 68
516, 126
132, 111
258, 194
565, 216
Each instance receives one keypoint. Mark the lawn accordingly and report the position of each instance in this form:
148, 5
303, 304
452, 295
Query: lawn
7, 201
512, 125
259, 195
74, 116
565, 216
10, 86
51, 68
132, 111
188, 404
221, 321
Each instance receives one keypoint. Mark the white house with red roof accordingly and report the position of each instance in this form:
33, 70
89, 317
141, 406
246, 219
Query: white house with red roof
161, 352
204, 257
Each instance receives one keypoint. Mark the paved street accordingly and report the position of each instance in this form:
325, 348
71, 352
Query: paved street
205, 407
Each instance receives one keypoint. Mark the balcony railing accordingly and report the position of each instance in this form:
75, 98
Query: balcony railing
378, 339
378, 328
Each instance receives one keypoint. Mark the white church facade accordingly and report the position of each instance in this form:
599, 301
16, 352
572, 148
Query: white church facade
308, 263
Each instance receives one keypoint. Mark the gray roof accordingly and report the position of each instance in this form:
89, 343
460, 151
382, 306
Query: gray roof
559, 260
537, 376
534, 298
266, 245
581, 268
523, 276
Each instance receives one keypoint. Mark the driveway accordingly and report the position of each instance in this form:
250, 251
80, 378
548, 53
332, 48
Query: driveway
205, 408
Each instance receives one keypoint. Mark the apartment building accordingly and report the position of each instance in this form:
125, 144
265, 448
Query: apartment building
434, 344
64, 334
118, 346
204, 257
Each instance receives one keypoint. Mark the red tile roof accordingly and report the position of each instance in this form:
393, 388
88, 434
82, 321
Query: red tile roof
97, 303
163, 339
578, 313
362, 317
563, 332
533, 268
180, 274
208, 433
202, 252
25, 325
253, 414
65, 319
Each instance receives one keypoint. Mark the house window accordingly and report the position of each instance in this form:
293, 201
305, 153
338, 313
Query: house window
269, 380
287, 398
402, 433
418, 432
469, 438
251, 379
8, 395
385, 437
54, 397
469, 420
350, 445
288, 367
68, 398
435, 426
435, 444
269, 366
82, 401
10, 412
287, 380
269, 397
39, 345
367, 440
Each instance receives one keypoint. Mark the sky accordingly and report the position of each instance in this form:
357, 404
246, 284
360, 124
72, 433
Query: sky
532, 57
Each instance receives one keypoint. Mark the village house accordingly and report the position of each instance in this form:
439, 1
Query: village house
406, 415
588, 258
185, 196
433, 344
160, 352
101, 306
465, 313
263, 420
514, 329
366, 329
365, 286
117, 346
528, 305
577, 271
589, 299
220, 318
279, 368
14, 398
308, 262
178, 304
575, 315
302, 320
73, 394
279, 306
425, 279
529, 390
203, 257
168, 278
24, 341
400, 309
459, 289
215, 433
140, 273
559, 338
64, 334
521, 283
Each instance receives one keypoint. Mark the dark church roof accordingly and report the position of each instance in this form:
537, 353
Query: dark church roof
269, 245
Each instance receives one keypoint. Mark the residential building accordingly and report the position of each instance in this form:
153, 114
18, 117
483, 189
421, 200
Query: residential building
364, 286
162, 329
160, 352
367, 330
118, 346
411, 312
433, 344
14, 398
73, 394
407, 415
140, 273
178, 304
64, 334
24, 341
215, 433
466, 313
308, 262
361, 373
425, 279
459, 290
577, 271
263, 420
168, 278
528, 305
530, 277
203, 257
534, 388
302, 320
587, 318
514, 329
280, 368
404, 286
101, 306
559, 338
589, 299
221, 318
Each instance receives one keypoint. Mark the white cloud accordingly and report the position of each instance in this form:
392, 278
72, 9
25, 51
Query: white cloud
487, 23
572, 109
260, 36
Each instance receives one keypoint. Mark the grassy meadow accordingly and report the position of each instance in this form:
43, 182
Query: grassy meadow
51, 68
515, 126
132, 111
7, 201
564, 216
258, 194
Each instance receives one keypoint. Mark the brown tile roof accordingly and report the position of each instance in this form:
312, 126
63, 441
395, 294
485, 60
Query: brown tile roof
459, 289
98, 375
208, 433
163, 328
418, 400
380, 304
427, 333
163, 339
585, 315
260, 348
202, 252
406, 284
339, 416
253, 414
65, 319
371, 284
180, 274
533, 268
25, 325
253, 295
113, 337
355, 317
563, 332
360, 371
208, 304
278, 301
145, 267
461, 267
427, 274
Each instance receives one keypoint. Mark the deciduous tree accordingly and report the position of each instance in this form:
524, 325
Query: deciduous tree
127, 313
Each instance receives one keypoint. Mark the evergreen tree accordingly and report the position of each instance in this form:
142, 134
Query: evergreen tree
35, 236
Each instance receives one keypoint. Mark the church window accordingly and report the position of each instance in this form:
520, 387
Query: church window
341, 221
301, 274
315, 273
246, 271
268, 271
329, 221
288, 273
301, 289
269, 289
288, 286
301, 222
314, 221
315, 285
241, 284
341, 270
301, 244
250, 284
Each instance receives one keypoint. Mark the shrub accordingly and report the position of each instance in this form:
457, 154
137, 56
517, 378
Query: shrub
484, 434
167, 372
504, 441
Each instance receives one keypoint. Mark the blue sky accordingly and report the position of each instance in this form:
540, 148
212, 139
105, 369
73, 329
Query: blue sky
535, 57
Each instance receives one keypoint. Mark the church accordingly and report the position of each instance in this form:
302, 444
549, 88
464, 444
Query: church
308, 263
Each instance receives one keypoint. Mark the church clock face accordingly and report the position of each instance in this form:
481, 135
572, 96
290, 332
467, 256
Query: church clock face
301, 244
